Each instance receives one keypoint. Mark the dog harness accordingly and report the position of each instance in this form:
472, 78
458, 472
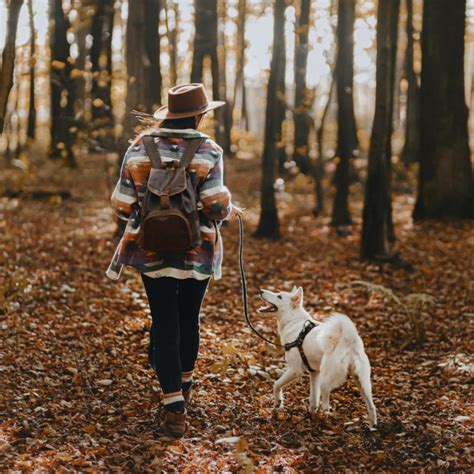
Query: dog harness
298, 342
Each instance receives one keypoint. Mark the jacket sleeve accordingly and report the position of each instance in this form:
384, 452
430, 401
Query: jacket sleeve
214, 196
125, 195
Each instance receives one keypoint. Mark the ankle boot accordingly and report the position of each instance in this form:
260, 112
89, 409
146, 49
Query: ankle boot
175, 423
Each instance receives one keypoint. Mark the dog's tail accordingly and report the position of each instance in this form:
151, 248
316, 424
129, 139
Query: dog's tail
338, 337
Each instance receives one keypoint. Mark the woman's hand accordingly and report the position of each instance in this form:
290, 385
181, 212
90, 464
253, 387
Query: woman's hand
235, 211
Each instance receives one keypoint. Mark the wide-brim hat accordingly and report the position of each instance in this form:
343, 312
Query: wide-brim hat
186, 100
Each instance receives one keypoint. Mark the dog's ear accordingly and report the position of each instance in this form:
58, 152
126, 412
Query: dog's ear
295, 289
297, 297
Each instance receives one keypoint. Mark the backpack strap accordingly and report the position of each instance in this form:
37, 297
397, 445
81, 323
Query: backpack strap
190, 151
152, 152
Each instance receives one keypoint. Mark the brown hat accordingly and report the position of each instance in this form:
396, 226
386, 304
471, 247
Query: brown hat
186, 100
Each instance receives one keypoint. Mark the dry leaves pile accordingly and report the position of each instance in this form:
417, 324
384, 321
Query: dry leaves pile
77, 395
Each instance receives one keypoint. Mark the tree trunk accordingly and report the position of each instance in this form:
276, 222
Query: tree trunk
281, 99
172, 35
411, 149
268, 226
152, 44
302, 120
8, 58
62, 97
377, 227
445, 187
101, 64
137, 67
226, 114
347, 132
239, 75
31, 127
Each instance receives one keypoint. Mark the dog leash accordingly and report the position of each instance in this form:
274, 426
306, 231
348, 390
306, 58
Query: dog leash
243, 282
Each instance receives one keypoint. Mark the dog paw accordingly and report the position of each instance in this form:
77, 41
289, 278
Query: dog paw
313, 408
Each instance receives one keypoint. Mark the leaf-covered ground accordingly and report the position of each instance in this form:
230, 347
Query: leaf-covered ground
77, 395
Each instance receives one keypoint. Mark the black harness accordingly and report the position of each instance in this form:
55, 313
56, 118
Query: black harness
298, 342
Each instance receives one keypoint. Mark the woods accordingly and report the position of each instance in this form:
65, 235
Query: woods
346, 135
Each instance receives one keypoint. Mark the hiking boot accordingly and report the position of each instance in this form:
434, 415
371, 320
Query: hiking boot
175, 423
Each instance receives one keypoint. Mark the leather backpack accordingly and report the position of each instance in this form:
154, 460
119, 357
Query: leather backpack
169, 214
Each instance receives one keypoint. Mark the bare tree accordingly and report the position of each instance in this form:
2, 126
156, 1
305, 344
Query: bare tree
347, 132
62, 87
268, 226
303, 100
411, 148
31, 127
172, 35
239, 75
8, 58
152, 45
446, 187
377, 227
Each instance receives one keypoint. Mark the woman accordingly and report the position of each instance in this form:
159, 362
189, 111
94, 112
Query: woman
175, 284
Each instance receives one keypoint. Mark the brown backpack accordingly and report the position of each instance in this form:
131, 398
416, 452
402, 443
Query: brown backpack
169, 215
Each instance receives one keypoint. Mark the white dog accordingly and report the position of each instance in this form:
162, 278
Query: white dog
333, 349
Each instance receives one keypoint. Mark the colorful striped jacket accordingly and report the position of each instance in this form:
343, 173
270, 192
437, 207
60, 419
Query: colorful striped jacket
206, 171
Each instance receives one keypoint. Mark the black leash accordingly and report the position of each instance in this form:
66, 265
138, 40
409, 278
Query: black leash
307, 327
243, 282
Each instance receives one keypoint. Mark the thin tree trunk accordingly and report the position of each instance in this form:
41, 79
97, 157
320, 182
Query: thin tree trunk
172, 35
347, 133
302, 100
226, 111
137, 67
268, 226
239, 76
446, 187
101, 63
205, 44
319, 168
8, 58
377, 227
152, 44
31, 127
281, 101
62, 96
411, 149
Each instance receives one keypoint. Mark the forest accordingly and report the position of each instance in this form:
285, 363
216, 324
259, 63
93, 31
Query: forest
347, 136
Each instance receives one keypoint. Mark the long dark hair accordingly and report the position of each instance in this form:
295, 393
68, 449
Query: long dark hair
185, 122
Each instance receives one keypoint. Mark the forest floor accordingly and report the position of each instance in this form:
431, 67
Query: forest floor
77, 394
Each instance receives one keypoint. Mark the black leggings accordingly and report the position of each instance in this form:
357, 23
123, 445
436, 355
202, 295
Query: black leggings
174, 334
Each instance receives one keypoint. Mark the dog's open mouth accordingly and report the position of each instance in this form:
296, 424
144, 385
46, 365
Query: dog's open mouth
269, 308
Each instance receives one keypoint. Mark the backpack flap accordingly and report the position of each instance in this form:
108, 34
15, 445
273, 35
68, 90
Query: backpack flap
164, 182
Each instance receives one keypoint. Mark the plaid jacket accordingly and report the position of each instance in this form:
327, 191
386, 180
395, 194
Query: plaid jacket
206, 171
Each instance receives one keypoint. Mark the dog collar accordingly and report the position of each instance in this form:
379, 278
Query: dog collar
298, 342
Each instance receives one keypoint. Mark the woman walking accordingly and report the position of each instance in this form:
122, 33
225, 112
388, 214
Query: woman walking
175, 282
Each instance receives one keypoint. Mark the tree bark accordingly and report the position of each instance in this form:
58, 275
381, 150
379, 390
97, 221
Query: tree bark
347, 132
101, 63
411, 148
172, 35
205, 45
226, 111
31, 127
8, 58
268, 226
281, 99
377, 227
137, 67
239, 75
62, 96
301, 117
152, 44
445, 187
